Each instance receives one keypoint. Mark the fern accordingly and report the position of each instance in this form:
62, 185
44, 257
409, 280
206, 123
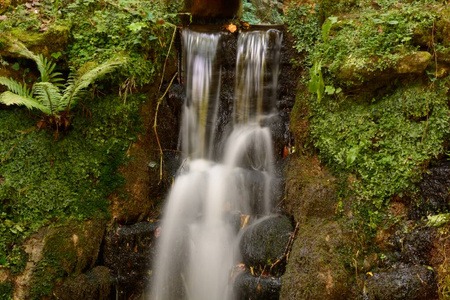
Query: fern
9, 98
49, 95
16, 87
46, 67
76, 84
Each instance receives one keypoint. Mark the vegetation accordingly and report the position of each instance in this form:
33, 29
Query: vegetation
383, 139
48, 95
45, 181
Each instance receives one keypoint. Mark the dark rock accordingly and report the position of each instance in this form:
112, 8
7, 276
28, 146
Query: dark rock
127, 252
249, 287
404, 282
434, 195
416, 246
264, 242
93, 285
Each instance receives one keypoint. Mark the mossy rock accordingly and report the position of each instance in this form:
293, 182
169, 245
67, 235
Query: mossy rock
310, 189
317, 266
68, 251
354, 73
92, 285
53, 40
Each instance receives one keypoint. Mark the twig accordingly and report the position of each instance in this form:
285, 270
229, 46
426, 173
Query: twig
167, 56
155, 125
287, 251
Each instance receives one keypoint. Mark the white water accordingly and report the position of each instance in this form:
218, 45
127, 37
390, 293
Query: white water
196, 251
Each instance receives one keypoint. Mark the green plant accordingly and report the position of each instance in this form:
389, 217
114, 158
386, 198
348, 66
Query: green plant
47, 95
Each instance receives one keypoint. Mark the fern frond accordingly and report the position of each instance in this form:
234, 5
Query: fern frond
76, 84
9, 98
49, 96
46, 67
16, 87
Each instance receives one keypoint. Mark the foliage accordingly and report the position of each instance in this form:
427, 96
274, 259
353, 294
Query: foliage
46, 95
102, 30
303, 24
249, 13
42, 180
385, 142
380, 147
142, 29
375, 39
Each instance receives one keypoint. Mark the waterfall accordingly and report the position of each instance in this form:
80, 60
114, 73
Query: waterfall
200, 226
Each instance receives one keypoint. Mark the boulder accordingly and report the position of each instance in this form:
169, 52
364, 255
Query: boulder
246, 286
264, 242
92, 285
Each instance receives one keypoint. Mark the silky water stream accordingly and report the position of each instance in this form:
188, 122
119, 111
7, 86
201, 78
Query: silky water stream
223, 176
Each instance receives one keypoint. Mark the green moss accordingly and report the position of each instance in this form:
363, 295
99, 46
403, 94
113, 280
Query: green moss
6, 290
43, 180
384, 142
70, 248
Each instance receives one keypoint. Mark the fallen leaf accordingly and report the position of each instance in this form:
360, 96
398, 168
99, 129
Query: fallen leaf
3, 18
231, 28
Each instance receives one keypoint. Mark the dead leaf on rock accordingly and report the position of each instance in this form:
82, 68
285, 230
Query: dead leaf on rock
231, 27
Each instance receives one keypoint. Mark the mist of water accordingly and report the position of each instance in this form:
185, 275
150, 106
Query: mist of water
197, 250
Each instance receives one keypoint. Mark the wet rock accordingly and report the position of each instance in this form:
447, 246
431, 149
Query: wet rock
127, 252
264, 242
404, 282
434, 195
93, 285
249, 287
416, 246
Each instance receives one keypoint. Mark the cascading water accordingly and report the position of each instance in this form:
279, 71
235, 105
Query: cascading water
197, 246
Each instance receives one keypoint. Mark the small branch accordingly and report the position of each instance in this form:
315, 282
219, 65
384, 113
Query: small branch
287, 251
155, 125
167, 56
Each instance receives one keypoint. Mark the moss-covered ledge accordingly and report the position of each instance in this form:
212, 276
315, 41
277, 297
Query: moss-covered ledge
55, 39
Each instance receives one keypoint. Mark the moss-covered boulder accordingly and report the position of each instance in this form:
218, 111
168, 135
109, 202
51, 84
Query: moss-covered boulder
67, 250
53, 40
92, 285
317, 266
354, 73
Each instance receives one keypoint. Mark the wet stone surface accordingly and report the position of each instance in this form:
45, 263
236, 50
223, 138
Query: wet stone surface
402, 282
264, 243
434, 192
249, 287
127, 252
